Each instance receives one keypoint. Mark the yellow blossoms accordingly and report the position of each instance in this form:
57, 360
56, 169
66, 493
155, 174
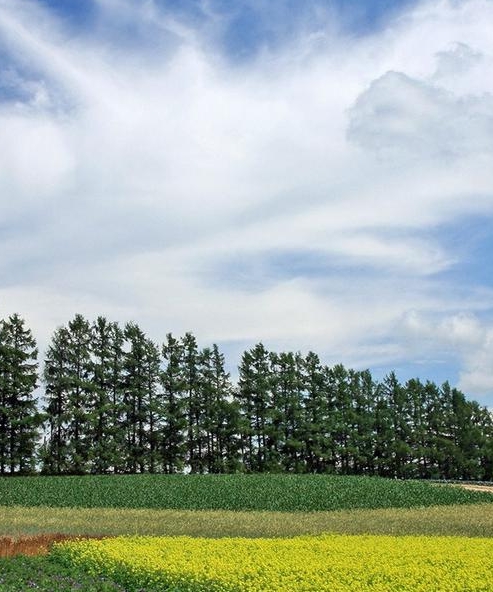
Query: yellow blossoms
326, 563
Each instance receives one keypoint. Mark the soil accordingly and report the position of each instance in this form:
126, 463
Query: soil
32, 545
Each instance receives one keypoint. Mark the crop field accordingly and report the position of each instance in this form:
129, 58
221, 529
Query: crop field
325, 563
243, 533
282, 493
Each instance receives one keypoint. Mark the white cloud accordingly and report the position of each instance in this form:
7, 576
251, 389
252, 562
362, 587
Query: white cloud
463, 335
406, 119
138, 177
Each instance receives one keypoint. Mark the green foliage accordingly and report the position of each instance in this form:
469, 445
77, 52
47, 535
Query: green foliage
19, 574
230, 492
19, 417
116, 402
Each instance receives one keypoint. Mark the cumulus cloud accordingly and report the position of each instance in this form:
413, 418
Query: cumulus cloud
299, 196
402, 118
465, 337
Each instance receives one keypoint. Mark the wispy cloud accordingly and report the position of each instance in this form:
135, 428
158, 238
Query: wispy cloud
299, 195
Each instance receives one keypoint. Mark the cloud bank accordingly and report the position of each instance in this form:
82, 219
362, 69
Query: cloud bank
304, 195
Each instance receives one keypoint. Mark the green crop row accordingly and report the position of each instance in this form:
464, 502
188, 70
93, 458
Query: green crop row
19, 574
231, 492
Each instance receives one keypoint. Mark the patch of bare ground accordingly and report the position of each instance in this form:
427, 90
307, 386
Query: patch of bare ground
473, 487
34, 544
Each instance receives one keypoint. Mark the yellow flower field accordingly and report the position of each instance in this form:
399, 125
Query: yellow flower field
325, 563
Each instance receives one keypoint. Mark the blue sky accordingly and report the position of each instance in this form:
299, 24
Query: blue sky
316, 175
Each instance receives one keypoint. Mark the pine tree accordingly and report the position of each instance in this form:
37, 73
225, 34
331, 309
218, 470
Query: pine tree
152, 370
219, 422
106, 407
286, 421
399, 449
136, 399
19, 417
345, 419
172, 438
362, 438
80, 394
56, 377
317, 428
254, 395
192, 403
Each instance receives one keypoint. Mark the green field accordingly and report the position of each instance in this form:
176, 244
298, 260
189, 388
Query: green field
221, 506
272, 492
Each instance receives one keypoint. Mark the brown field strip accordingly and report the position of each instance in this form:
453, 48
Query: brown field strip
32, 545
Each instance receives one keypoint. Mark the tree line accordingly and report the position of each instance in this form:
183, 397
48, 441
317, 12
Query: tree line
110, 400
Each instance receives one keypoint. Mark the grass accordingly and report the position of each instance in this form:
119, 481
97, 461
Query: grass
20, 574
284, 493
456, 520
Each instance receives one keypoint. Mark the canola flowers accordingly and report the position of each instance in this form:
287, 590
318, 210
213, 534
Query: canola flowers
324, 563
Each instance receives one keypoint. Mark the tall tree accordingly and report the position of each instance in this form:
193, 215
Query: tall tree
401, 416
192, 402
172, 439
19, 417
106, 407
56, 377
80, 393
255, 399
286, 421
219, 414
318, 417
140, 379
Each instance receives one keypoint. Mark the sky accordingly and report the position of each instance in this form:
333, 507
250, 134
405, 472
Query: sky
314, 175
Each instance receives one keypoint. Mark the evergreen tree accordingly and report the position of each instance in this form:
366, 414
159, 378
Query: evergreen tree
254, 396
172, 440
192, 403
362, 436
140, 380
416, 394
80, 393
317, 424
56, 376
345, 419
152, 369
219, 424
19, 417
399, 449
106, 407
285, 425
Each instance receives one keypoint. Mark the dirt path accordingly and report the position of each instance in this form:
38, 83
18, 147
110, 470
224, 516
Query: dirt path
472, 487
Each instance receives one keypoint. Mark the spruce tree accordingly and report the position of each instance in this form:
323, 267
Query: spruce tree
219, 420
56, 377
286, 422
172, 437
254, 395
19, 417
106, 406
138, 391
316, 430
192, 403
80, 393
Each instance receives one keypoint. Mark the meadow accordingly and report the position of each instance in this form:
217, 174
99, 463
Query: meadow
279, 523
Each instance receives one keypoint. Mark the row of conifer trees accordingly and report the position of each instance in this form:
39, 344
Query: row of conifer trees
110, 400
